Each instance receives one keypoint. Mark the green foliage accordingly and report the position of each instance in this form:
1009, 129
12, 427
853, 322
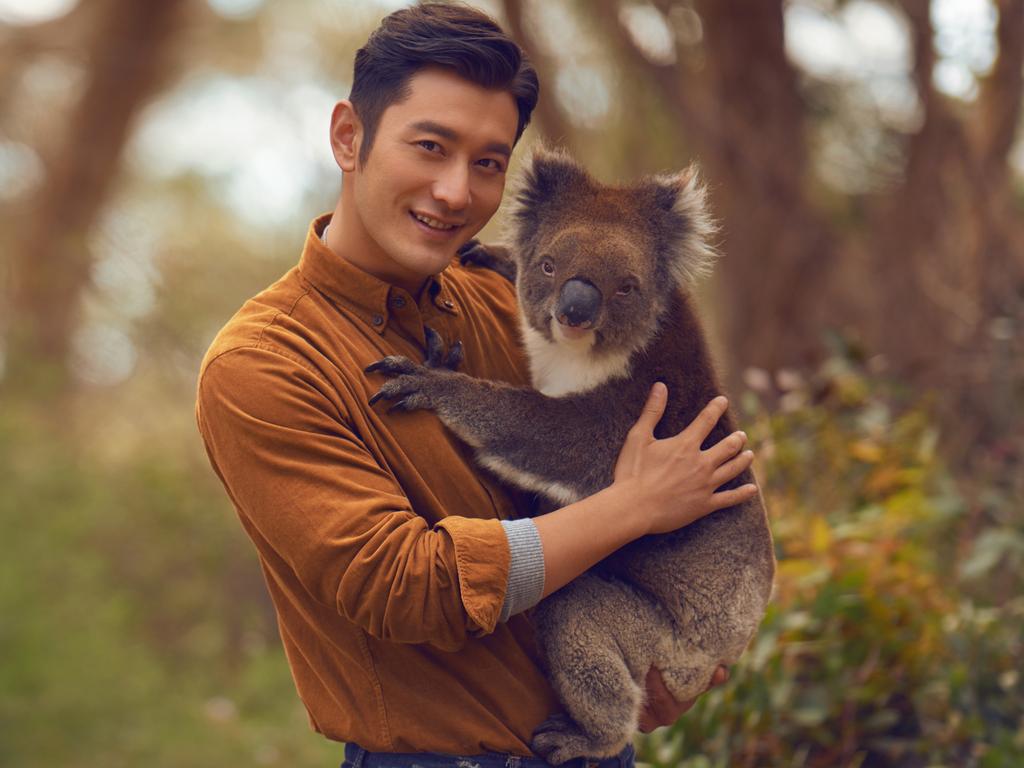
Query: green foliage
877, 650
134, 628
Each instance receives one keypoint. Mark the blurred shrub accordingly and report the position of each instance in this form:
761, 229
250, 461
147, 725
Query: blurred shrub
134, 628
887, 643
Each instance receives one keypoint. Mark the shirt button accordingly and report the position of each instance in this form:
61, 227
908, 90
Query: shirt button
377, 319
398, 302
448, 304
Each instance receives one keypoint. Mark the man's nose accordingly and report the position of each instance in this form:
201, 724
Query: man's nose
452, 186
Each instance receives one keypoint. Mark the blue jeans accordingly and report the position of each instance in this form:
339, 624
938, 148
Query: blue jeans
357, 757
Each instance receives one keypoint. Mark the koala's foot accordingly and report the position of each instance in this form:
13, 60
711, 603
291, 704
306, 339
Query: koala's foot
494, 258
559, 739
411, 388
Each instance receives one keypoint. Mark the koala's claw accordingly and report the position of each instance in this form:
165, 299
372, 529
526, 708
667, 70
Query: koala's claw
553, 723
470, 251
405, 392
408, 389
494, 258
393, 365
559, 739
403, 404
436, 357
454, 358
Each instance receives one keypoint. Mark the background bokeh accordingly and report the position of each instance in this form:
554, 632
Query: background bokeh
160, 162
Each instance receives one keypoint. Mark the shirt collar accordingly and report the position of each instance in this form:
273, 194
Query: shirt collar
371, 298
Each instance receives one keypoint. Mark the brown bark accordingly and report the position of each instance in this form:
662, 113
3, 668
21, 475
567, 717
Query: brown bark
1002, 92
127, 62
743, 116
550, 120
778, 250
947, 248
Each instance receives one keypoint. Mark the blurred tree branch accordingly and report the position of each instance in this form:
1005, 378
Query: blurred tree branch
1002, 91
551, 120
126, 53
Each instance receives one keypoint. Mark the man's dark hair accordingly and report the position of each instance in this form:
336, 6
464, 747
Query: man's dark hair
455, 37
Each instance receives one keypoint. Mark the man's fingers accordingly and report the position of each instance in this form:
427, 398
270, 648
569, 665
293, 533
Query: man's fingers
731, 468
726, 448
719, 677
701, 426
731, 498
653, 409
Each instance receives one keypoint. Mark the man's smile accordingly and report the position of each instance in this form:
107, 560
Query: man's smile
434, 227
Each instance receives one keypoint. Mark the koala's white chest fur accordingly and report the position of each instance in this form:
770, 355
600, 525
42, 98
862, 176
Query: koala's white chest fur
569, 368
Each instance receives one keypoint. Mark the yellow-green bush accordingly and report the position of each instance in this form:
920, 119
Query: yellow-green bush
885, 644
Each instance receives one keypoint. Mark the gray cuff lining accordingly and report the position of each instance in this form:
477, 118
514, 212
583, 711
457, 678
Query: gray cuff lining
526, 570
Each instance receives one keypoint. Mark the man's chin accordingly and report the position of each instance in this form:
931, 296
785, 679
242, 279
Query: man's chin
431, 262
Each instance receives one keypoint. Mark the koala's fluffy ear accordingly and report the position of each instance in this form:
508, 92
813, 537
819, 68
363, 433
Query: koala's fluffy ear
688, 226
548, 177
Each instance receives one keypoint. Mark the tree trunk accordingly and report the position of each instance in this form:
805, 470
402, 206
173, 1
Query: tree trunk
127, 62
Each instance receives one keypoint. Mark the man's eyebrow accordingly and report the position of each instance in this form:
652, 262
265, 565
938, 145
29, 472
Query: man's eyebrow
429, 126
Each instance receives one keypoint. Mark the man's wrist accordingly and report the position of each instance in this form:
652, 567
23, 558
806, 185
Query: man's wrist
623, 502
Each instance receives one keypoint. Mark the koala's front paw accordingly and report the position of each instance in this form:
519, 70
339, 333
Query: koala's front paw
492, 257
469, 250
411, 389
408, 390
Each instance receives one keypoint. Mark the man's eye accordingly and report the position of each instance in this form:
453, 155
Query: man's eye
491, 164
430, 146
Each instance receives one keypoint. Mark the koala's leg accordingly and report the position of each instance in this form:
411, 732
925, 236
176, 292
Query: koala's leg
685, 669
597, 657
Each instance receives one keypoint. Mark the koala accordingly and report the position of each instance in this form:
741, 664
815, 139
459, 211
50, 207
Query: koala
603, 276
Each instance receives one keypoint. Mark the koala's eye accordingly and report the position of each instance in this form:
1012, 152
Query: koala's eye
547, 267
625, 289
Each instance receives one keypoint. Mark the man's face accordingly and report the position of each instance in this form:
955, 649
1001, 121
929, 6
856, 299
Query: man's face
434, 176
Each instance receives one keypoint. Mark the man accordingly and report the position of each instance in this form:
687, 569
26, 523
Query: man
397, 572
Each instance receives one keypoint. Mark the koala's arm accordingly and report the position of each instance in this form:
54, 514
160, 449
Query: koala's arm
528, 439
494, 257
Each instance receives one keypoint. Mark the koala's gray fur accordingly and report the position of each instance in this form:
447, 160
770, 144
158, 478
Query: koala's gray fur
683, 602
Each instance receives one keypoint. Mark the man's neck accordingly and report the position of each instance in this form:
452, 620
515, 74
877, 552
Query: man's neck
332, 238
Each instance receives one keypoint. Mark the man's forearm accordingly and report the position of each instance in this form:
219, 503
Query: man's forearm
574, 538
583, 533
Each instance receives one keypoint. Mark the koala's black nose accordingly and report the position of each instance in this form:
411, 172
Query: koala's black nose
578, 303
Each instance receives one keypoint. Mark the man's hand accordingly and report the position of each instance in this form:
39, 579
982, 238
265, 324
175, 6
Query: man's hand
660, 708
674, 481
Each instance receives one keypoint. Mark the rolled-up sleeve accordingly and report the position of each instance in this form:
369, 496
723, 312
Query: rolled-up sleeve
311, 493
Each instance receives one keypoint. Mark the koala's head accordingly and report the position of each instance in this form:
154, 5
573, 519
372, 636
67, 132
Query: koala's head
597, 264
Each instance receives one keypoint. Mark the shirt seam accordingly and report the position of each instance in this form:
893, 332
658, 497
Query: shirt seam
341, 302
378, 689
268, 346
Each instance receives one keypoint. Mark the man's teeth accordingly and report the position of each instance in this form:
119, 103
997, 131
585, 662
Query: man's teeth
433, 223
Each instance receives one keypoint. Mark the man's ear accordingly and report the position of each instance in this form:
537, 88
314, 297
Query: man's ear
346, 135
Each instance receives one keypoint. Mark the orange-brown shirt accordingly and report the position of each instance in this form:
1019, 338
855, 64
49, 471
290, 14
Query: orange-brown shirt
379, 539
